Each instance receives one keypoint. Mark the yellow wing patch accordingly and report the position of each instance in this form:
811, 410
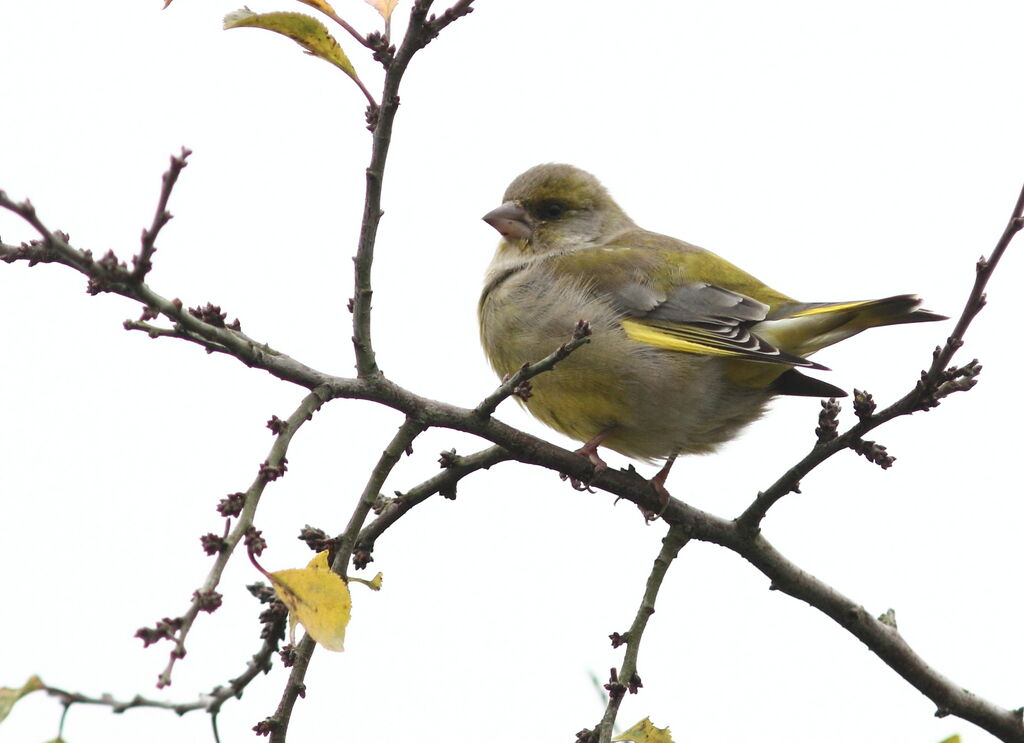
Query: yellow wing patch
831, 308
734, 343
678, 338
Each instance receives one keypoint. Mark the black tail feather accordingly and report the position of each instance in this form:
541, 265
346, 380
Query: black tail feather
800, 385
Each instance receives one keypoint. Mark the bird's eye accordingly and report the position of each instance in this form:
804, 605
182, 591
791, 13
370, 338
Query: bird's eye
550, 209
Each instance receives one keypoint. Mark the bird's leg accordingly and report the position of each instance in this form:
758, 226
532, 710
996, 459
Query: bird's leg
589, 450
658, 483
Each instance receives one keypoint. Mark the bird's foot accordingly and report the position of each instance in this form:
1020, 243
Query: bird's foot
658, 483
589, 450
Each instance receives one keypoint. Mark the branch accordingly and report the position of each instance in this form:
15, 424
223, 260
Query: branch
143, 261
329, 12
212, 702
400, 444
455, 468
53, 248
109, 275
518, 384
206, 598
417, 35
976, 300
936, 383
31, 253
626, 677
154, 331
741, 536
456, 11
117, 706
880, 636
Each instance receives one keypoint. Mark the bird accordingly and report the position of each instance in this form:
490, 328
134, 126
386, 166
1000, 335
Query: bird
685, 348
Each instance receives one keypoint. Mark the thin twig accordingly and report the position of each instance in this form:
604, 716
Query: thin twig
154, 331
456, 468
374, 107
70, 698
626, 678
401, 444
344, 24
54, 244
456, 11
976, 301
32, 253
295, 687
938, 382
949, 697
143, 261
274, 463
517, 384
417, 35
211, 702
110, 275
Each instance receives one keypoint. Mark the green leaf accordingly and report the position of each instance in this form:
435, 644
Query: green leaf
306, 31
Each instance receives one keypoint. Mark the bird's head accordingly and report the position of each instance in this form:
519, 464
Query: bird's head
556, 208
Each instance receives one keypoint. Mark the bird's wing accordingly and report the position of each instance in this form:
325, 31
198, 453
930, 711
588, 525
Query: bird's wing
666, 299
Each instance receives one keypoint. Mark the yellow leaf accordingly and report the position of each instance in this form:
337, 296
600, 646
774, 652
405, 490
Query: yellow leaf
306, 31
645, 732
9, 696
318, 599
384, 7
322, 6
952, 739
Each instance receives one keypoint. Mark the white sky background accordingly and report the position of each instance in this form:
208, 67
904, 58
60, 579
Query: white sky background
836, 150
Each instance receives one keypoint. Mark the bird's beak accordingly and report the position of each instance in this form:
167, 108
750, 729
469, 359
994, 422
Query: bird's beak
511, 221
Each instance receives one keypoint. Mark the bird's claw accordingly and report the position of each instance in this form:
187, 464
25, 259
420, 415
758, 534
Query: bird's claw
663, 500
578, 484
658, 483
588, 450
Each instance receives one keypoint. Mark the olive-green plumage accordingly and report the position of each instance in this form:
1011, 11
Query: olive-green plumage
686, 348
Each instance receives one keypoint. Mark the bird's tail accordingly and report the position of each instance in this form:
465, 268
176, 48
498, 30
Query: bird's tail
802, 329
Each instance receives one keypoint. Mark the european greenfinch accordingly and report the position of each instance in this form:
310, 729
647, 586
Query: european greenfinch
686, 349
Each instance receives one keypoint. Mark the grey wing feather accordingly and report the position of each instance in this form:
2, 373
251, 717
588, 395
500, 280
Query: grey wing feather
713, 312
693, 302
701, 302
